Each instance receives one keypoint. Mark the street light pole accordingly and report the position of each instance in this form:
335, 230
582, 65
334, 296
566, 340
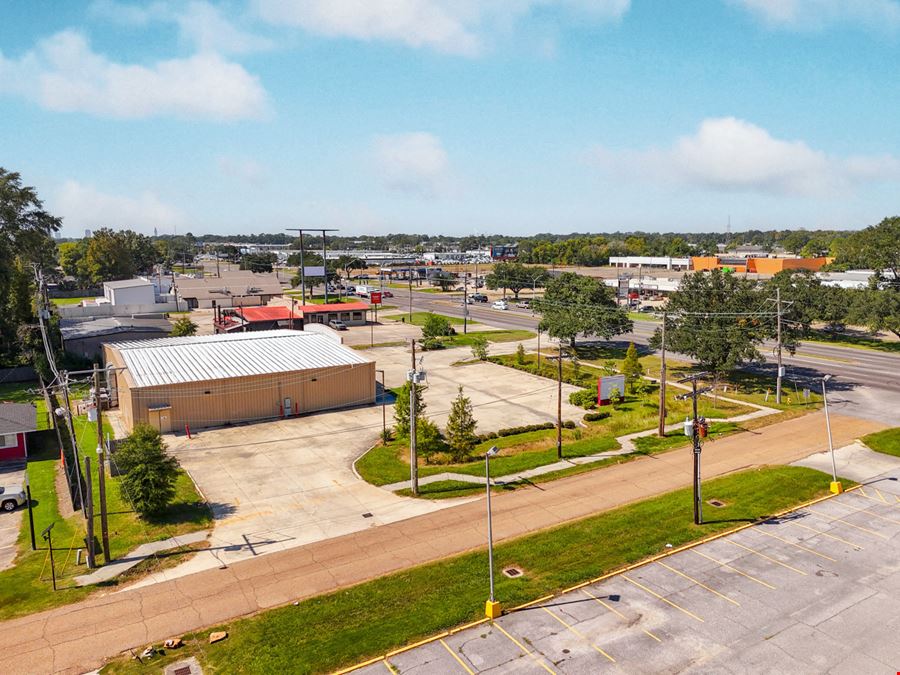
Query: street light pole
491, 607
836, 486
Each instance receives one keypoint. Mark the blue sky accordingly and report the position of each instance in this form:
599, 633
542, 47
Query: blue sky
454, 116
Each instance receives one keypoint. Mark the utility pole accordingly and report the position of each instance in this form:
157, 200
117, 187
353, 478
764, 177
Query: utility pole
465, 304
71, 429
302, 273
778, 338
413, 455
89, 539
559, 404
661, 431
101, 468
300, 231
410, 301
695, 436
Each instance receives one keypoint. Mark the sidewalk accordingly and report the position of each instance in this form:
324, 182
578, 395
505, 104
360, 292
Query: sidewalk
78, 637
138, 555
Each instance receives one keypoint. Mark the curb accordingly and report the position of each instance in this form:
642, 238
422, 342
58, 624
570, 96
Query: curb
602, 577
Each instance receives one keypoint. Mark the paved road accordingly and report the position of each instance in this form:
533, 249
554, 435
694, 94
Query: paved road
75, 638
867, 382
813, 591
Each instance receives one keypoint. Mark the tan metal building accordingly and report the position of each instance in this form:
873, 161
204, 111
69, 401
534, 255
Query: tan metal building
214, 380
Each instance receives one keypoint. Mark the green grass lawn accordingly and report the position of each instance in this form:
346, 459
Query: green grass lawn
855, 342
344, 627
677, 439
62, 302
887, 441
26, 587
27, 392
418, 319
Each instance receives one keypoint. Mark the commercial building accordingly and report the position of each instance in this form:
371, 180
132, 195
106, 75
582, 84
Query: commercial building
213, 380
270, 317
16, 421
351, 313
766, 266
130, 292
86, 337
231, 289
650, 261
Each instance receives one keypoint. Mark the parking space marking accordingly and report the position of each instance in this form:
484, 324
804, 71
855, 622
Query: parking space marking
456, 656
617, 612
579, 634
827, 534
800, 546
699, 583
763, 555
877, 501
830, 519
389, 667
732, 567
665, 600
518, 644
867, 512
881, 495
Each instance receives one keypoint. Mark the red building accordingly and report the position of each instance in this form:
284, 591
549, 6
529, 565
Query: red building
16, 420
269, 317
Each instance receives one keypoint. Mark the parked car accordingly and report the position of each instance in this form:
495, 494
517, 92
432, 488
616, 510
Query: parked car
337, 325
11, 497
478, 297
387, 294
350, 289
648, 309
500, 304
523, 304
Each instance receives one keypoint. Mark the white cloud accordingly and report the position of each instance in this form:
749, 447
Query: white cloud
243, 170
200, 23
83, 206
64, 74
448, 26
728, 154
413, 162
814, 14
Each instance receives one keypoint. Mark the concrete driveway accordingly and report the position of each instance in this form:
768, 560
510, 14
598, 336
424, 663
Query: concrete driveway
280, 484
11, 473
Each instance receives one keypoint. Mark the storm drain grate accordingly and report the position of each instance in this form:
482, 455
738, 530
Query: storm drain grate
718, 503
367, 515
512, 572
184, 670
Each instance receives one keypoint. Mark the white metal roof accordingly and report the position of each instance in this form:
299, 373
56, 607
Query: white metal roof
213, 357
127, 283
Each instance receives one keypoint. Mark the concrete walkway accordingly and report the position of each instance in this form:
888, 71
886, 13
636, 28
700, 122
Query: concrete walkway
76, 638
138, 555
626, 447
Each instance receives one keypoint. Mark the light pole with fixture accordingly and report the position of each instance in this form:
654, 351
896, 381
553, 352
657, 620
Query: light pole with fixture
491, 607
836, 486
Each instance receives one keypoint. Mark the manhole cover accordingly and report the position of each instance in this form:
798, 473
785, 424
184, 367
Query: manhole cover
718, 503
512, 572
183, 670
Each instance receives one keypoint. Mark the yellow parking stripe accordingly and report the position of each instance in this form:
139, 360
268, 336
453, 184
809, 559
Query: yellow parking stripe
868, 513
826, 534
579, 634
518, 644
881, 495
699, 583
877, 501
456, 656
665, 600
863, 490
388, 666
732, 567
763, 555
787, 541
616, 612
830, 519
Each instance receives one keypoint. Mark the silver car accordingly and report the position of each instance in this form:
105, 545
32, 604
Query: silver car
11, 497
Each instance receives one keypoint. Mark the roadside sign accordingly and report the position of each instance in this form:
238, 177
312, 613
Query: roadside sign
375, 297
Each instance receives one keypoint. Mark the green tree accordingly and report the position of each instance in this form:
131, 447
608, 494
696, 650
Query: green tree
108, 257
631, 367
428, 439
877, 248
436, 326
150, 474
183, 327
401, 409
574, 304
444, 280
877, 308
520, 355
71, 259
479, 347
260, 262
717, 319
515, 276
461, 427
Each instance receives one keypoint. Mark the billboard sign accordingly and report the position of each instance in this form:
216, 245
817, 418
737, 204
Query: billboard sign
606, 384
375, 297
313, 271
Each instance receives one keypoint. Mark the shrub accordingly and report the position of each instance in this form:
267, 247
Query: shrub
479, 347
585, 398
596, 416
432, 343
429, 440
183, 327
436, 326
520, 355
148, 483
461, 427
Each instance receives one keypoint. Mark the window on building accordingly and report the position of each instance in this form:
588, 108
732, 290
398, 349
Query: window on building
357, 316
8, 441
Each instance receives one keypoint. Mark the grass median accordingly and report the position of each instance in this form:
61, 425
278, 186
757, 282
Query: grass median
344, 627
886, 442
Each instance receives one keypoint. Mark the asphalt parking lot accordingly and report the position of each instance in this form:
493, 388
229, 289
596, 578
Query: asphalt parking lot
817, 590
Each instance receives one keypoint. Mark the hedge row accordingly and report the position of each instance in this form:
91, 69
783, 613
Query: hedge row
513, 431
